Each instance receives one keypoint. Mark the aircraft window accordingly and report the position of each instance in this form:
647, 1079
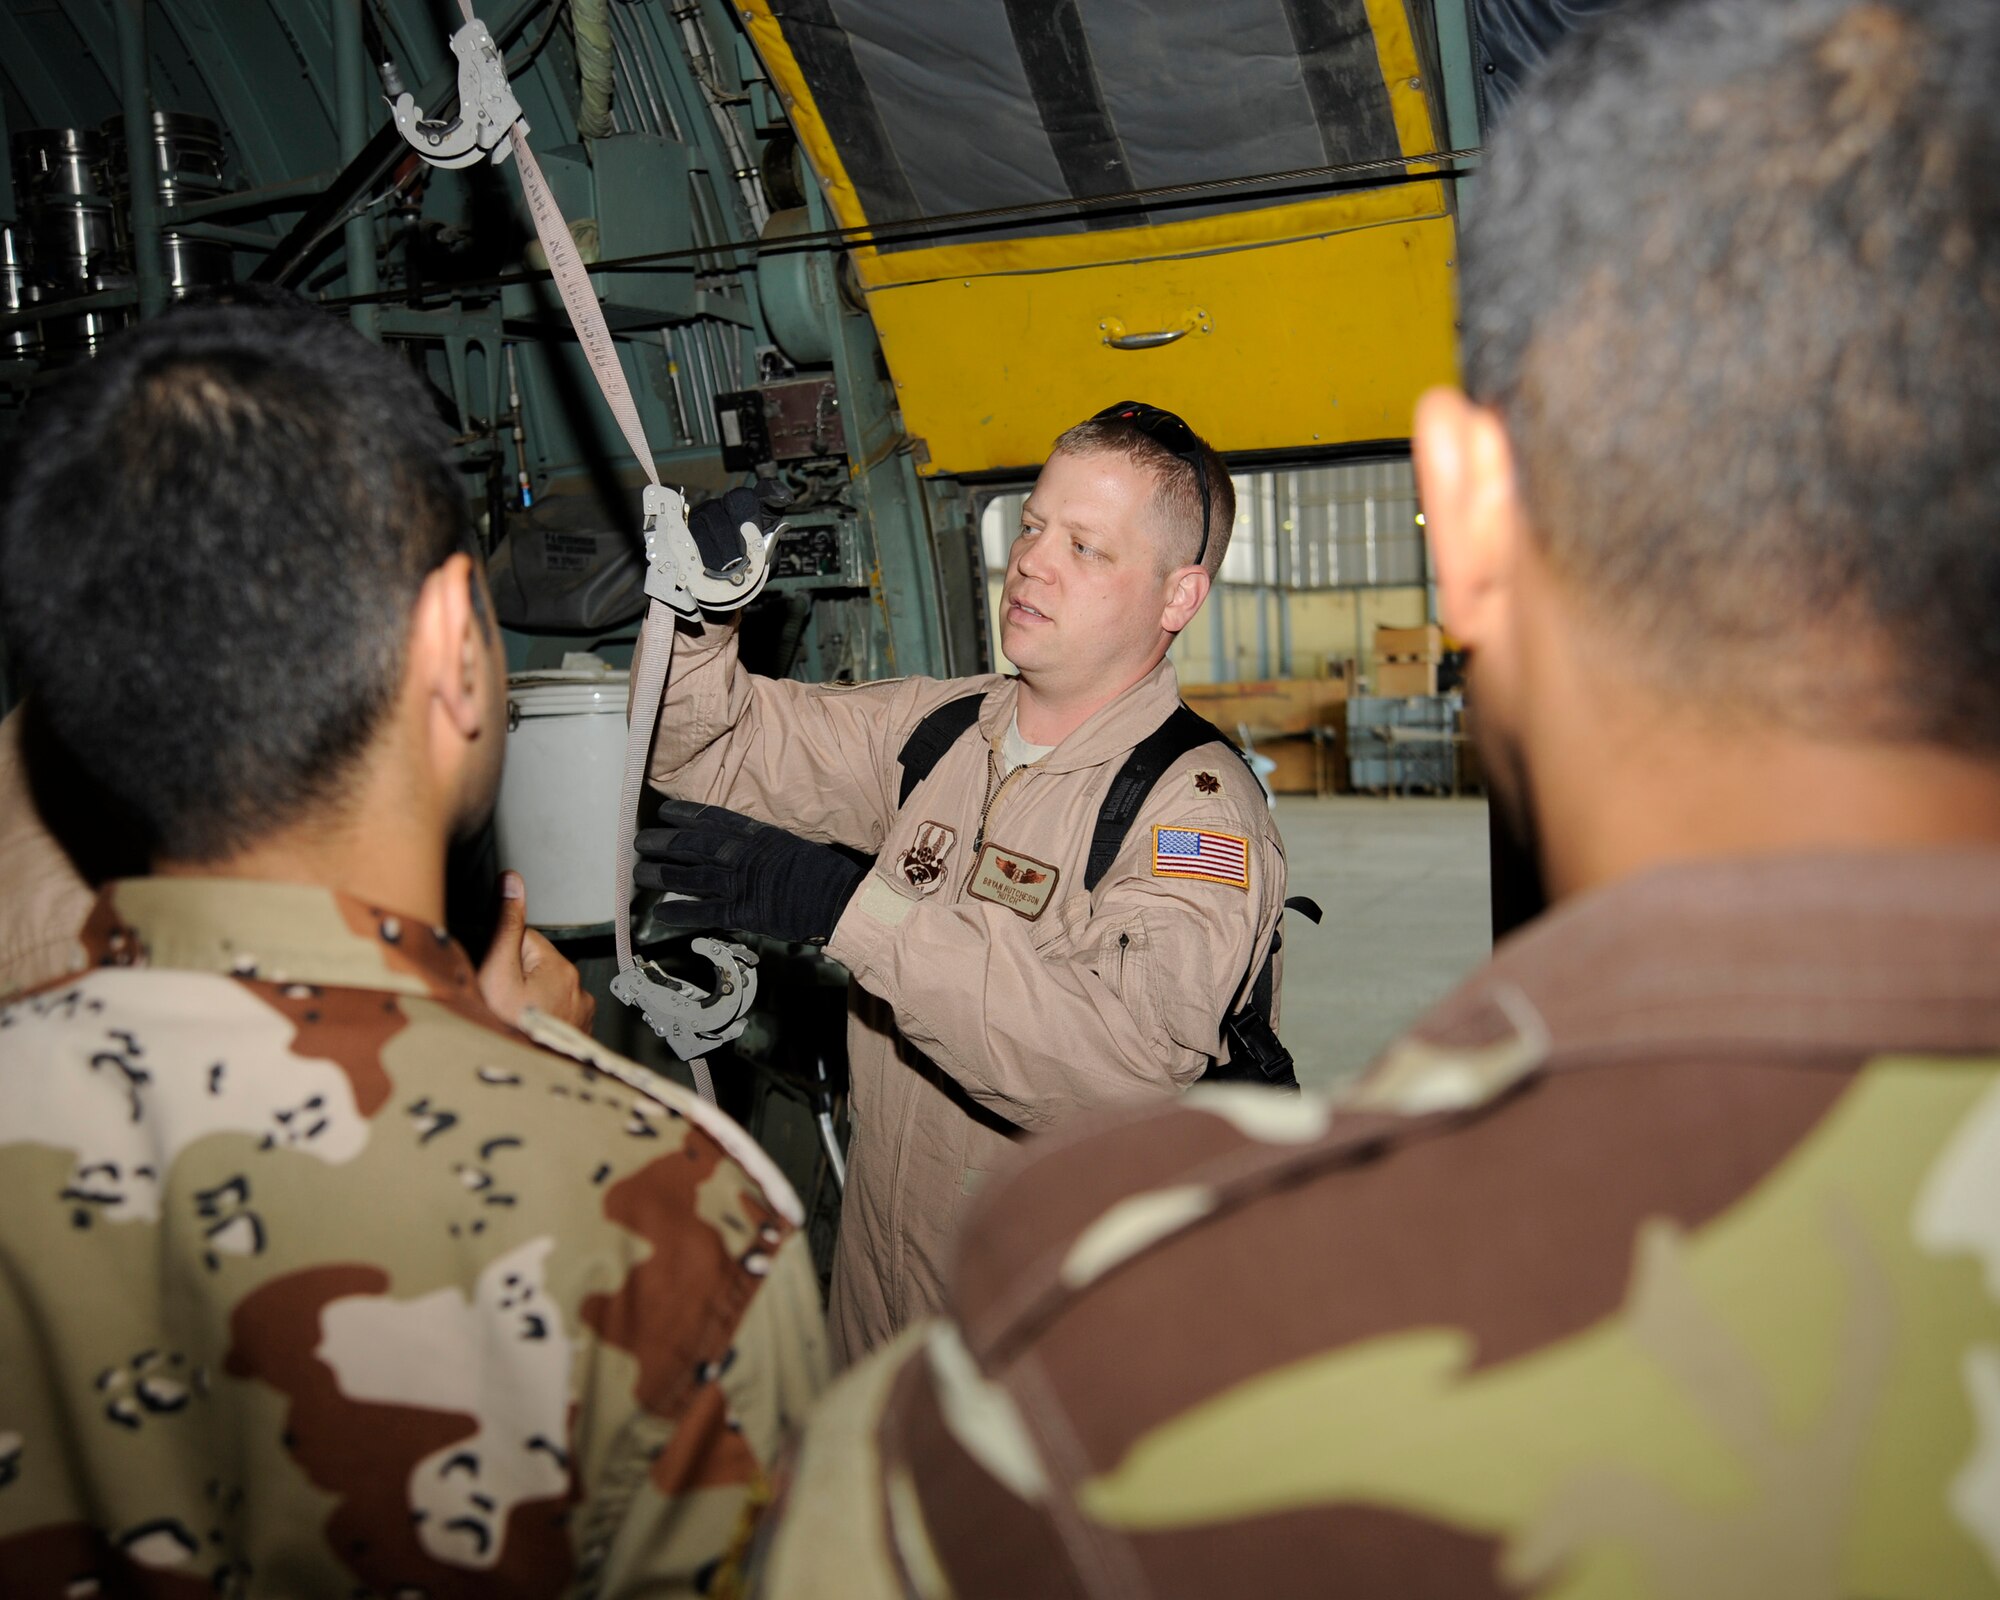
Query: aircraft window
1350, 526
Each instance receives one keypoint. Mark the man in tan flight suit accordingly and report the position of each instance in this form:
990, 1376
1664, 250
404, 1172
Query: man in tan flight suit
998, 993
316, 1277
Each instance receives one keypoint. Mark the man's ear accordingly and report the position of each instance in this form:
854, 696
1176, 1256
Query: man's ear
449, 646
1187, 587
1472, 511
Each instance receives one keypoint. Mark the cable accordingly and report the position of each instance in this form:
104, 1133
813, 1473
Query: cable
527, 59
917, 230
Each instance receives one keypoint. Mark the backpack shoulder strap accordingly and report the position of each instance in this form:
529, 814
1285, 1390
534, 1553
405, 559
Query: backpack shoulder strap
930, 738
1181, 732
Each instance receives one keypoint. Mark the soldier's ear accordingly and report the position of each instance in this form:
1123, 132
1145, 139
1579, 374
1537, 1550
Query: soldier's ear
1187, 587
450, 649
1473, 522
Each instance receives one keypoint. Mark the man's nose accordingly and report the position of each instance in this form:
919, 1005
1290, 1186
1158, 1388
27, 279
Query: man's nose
1029, 559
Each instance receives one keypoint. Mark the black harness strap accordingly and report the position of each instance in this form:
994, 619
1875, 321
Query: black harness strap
929, 740
1180, 733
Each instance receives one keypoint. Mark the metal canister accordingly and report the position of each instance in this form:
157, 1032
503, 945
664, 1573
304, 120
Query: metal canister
187, 151
69, 338
193, 264
18, 291
187, 159
57, 161
75, 239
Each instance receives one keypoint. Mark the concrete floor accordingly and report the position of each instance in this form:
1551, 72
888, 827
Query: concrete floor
1403, 883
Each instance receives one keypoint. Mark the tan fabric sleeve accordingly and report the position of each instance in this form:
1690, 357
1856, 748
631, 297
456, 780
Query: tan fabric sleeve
1109, 996
816, 759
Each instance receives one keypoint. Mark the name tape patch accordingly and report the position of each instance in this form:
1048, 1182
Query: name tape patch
1200, 853
1008, 878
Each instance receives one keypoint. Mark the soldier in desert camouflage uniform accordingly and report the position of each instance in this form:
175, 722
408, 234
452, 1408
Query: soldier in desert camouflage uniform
316, 1278
1662, 1259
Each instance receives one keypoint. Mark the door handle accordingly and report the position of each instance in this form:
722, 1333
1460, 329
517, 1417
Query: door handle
1118, 337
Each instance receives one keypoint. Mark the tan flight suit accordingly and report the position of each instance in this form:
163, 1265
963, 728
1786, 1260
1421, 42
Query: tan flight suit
318, 1280
1661, 1261
43, 898
980, 1021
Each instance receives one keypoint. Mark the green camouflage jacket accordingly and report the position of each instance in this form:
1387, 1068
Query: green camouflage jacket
1662, 1260
317, 1280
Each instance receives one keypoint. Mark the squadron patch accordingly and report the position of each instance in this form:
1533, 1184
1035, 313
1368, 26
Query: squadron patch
1200, 853
1008, 878
923, 862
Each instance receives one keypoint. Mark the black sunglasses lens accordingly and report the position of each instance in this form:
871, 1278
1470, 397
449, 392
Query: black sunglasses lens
1161, 426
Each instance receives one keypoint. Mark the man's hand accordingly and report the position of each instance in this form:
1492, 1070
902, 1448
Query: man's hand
523, 969
739, 873
723, 527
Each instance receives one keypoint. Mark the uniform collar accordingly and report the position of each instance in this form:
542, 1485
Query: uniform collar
1824, 956
278, 932
1111, 731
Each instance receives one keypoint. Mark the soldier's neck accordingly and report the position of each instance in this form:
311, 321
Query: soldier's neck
1048, 710
1650, 782
381, 847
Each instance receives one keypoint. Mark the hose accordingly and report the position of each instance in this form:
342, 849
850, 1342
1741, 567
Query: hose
591, 19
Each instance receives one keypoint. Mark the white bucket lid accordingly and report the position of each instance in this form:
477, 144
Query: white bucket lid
583, 685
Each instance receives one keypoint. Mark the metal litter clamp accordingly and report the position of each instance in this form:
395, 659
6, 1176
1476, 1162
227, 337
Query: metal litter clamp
691, 1021
487, 109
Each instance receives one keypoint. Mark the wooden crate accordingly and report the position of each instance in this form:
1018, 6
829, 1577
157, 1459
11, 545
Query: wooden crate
1297, 769
1409, 644
1395, 680
1272, 708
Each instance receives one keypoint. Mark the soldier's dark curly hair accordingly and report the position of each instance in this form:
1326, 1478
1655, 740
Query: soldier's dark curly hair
1732, 278
209, 552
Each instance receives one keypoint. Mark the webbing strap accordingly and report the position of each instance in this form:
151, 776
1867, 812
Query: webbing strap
578, 298
1180, 733
931, 738
656, 638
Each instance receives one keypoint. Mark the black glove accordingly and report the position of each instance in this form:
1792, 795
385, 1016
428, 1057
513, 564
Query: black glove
717, 525
743, 874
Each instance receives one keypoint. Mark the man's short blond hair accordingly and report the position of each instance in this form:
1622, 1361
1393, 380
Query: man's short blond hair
1176, 488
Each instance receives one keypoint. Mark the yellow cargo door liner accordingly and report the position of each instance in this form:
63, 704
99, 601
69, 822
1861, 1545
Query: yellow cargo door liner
1275, 326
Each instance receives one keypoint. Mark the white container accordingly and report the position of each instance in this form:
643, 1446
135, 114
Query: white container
557, 819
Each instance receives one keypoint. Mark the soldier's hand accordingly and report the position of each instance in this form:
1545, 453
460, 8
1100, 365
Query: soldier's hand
732, 871
724, 527
523, 969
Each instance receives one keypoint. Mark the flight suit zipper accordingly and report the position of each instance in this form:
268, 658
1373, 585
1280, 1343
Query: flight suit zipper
993, 793
994, 790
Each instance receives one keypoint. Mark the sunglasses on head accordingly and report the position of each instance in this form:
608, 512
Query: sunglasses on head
1170, 433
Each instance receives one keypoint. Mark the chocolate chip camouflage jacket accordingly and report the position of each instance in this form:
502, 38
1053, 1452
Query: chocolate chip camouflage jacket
316, 1280
1662, 1260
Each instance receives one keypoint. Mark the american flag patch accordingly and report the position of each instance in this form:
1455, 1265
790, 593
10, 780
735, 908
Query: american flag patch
1197, 853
